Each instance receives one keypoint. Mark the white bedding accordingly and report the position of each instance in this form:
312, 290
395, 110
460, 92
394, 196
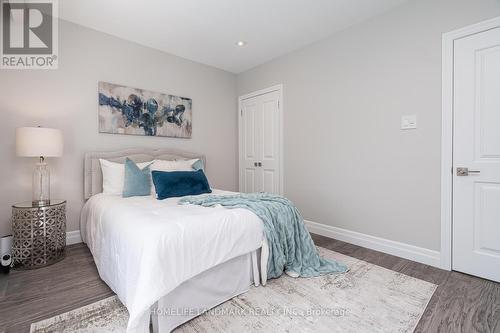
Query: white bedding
144, 248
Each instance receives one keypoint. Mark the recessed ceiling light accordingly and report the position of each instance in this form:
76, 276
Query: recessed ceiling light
241, 43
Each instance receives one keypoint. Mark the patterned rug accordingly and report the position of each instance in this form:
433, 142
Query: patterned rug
368, 298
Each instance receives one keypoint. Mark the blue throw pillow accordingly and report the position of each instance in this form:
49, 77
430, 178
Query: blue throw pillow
198, 165
137, 181
180, 183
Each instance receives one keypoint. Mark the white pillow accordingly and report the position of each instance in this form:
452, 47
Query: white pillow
113, 176
189, 162
178, 165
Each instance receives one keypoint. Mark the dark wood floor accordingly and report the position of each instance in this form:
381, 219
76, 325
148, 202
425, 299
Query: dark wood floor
461, 303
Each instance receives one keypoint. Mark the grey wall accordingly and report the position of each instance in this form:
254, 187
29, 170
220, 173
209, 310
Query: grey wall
67, 99
347, 163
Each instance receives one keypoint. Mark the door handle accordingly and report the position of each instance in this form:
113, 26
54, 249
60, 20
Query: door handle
259, 164
461, 172
255, 164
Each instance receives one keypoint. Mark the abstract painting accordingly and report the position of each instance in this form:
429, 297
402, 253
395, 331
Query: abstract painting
125, 110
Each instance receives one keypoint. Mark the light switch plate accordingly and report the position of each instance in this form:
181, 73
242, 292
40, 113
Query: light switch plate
409, 122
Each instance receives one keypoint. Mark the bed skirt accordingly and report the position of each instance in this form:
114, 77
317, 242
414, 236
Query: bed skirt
209, 289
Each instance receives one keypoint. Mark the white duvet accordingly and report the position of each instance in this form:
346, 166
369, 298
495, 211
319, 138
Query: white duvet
144, 248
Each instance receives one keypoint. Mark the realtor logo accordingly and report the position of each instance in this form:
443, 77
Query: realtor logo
29, 34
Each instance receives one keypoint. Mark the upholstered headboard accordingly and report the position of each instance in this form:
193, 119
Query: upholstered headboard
92, 167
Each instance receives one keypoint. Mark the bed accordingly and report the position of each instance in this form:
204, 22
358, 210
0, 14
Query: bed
167, 262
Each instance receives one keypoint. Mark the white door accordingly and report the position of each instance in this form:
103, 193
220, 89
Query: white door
260, 143
476, 147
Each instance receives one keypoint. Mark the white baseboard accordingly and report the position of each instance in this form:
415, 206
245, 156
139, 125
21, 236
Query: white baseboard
73, 237
406, 251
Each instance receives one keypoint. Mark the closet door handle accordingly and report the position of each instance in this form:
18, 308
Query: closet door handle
260, 164
255, 164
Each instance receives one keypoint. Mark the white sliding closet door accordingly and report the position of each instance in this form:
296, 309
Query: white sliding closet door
260, 143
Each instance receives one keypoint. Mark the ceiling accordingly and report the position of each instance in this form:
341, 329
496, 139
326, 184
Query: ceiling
206, 31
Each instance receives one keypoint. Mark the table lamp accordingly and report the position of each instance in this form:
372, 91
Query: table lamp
39, 142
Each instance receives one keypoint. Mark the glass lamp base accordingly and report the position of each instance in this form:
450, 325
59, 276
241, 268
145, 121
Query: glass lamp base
40, 203
41, 184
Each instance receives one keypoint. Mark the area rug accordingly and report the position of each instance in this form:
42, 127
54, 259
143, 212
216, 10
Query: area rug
368, 298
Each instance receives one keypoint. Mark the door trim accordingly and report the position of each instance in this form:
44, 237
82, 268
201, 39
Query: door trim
447, 133
279, 88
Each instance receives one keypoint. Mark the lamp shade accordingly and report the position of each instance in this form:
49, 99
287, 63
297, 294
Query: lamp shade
38, 141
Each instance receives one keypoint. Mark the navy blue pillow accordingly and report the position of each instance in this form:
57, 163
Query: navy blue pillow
170, 184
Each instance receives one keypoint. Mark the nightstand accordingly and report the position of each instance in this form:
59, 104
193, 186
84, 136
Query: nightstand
39, 234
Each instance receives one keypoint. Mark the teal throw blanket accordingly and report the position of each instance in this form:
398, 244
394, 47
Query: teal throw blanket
291, 248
